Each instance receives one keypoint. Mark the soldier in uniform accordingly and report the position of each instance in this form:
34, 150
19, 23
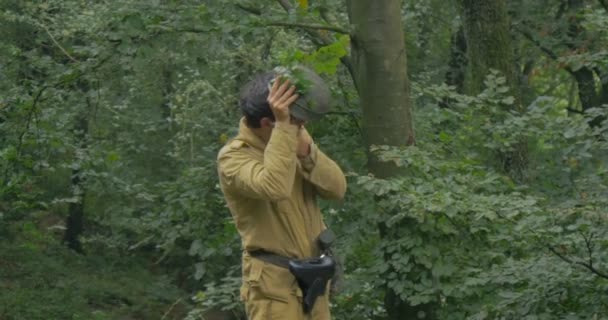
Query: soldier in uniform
271, 174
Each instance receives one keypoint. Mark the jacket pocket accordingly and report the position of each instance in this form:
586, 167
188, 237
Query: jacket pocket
270, 281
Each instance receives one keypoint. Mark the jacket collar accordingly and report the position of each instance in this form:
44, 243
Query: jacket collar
249, 137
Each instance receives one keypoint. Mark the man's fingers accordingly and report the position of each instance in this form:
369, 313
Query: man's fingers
284, 105
291, 99
281, 90
272, 94
286, 95
290, 91
280, 98
275, 85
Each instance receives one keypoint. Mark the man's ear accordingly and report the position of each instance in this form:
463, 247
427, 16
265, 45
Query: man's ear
266, 123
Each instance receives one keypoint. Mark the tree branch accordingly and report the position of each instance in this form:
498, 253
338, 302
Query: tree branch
561, 256
589, 246
308, 26
286, 5
574, 110
38, 97
544, 49
530, 37
57, 44
171, 308
321, 39
251, 10
584, 264
312, 30
29, 118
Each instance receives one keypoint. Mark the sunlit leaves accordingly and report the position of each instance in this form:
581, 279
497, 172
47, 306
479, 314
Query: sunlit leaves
326, 60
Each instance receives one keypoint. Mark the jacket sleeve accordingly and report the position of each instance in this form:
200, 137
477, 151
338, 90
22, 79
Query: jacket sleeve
271, 179
324, 174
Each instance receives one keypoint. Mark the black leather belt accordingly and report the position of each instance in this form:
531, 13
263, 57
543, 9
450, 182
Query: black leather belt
312, 274
270, 257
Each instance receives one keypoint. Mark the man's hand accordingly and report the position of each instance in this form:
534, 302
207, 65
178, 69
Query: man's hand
304, 142
280, 98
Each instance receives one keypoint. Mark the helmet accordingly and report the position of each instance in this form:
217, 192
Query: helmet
314, 100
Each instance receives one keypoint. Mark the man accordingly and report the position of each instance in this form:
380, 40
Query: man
271, 174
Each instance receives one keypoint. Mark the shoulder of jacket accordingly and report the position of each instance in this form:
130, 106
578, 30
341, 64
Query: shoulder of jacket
237, 144
231, 146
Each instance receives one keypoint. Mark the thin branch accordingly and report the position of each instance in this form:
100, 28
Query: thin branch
312, 31
190, 30
27, 126
171, 308
251, 10
544, 49
551, 88
38, 97
308, 26
58, 45
286, 5
29, 118
584, 264
561, 256
589, 246
351, 114
530, 37
321, 39
574, 110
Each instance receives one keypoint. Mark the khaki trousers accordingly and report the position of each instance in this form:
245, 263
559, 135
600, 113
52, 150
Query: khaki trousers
271, 292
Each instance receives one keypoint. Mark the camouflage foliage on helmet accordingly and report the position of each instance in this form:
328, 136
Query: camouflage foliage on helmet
315, 97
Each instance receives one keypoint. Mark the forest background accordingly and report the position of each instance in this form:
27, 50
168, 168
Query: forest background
473, 134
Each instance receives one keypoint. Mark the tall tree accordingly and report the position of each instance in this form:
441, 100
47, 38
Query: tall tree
378, 66
488, 39
486, 28
379, 62
457, 64
591, 94
458, 60
76, 209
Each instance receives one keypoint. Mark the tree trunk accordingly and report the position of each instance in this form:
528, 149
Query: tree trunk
380, 71
168, 90
488, 40
75, 219
486, 28
458, 60
379, 64
590, 94
457, 65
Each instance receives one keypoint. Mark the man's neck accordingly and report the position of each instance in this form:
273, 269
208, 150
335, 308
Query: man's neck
261, 133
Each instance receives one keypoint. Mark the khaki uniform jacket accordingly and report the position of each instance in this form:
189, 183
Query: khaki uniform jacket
271, 195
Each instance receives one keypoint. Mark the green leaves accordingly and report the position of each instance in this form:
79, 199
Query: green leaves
326, 60
157, 82
478, 235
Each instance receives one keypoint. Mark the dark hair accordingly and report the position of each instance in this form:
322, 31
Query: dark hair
253, 99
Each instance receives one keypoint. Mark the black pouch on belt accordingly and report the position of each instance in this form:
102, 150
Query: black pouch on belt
312, 276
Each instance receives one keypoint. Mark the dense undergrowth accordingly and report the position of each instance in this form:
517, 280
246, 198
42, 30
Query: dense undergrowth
43, 279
